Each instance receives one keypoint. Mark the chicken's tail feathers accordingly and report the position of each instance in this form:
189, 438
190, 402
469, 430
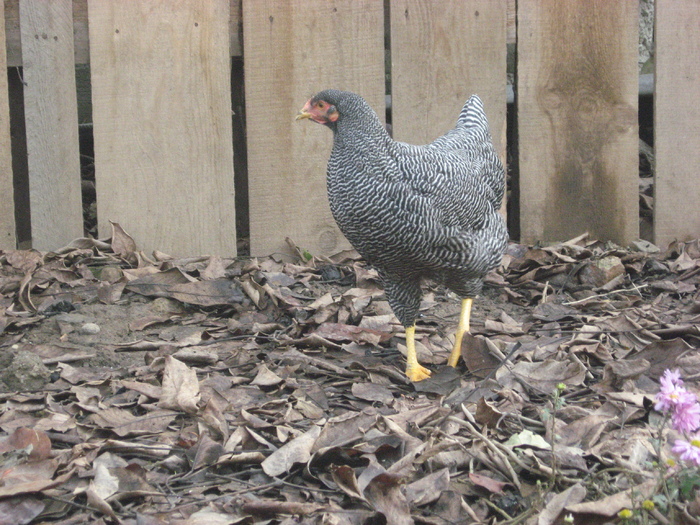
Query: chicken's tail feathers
473, 114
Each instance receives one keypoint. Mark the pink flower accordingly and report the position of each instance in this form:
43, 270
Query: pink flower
672, 392
686, 416
688, 450
672, 376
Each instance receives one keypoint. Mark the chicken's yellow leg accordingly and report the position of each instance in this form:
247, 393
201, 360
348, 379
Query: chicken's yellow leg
461, 329
414, 371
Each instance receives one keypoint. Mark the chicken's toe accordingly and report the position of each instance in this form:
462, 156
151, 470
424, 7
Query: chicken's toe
417, 373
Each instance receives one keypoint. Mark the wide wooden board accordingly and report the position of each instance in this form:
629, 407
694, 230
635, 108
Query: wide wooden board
81, 33
441, 53
8, 238
51, 116
162, 123
577, 119
292, 50
677, 121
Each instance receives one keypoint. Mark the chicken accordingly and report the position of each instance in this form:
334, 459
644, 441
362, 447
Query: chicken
415, 212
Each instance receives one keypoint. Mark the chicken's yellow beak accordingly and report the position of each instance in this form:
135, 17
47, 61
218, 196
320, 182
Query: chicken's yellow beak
303, 114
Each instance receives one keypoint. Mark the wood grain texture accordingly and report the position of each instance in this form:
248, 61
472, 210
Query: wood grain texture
577, 119
677, 121
81, 32
8, 238
51, 117
441, 54
162, 123
292, 50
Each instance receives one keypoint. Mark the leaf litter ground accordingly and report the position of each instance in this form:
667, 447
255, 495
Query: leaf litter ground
156, 390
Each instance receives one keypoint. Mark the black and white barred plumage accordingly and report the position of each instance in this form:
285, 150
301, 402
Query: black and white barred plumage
415, 212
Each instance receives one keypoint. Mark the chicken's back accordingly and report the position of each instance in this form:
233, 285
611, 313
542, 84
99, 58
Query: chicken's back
471, 139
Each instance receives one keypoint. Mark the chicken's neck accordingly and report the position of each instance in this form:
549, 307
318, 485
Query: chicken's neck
363, 134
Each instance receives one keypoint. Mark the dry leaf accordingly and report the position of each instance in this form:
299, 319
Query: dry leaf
571, 496
429, 488
372, 392
490, 484
296, 451
20, 510
611, 505
180, 387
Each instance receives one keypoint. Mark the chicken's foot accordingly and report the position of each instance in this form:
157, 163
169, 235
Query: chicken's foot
414, 370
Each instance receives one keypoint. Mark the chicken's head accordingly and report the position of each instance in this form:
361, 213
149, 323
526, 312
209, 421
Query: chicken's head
319, 110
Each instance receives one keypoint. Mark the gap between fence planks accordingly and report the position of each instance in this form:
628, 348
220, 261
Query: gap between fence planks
577, 119
8, 239
162, 123
292, 50
439, 57
677, 121
51, 116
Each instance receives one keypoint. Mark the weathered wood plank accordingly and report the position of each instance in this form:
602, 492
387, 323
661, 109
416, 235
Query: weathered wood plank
162, 123
511, 33
292, 50
677, 121
577, 119
51, 117
441, 53
80, 32
80, 27
8, 239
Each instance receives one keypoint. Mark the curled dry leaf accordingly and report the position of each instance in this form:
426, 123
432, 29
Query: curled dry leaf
384, 493
266, 377
428, 489
613, 504
296, 451
344, 477
180, 388
552, 512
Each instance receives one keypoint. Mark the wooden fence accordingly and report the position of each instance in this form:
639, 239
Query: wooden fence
160, 73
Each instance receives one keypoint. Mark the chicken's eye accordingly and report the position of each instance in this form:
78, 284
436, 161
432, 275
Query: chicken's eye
320, 105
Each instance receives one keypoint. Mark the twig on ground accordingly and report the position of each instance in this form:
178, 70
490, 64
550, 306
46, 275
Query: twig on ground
612, 292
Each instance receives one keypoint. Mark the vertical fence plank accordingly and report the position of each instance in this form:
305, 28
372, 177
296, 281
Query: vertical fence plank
293, 49
8, 239
677, 121
577, 119
162, 123
51, 116
441, 53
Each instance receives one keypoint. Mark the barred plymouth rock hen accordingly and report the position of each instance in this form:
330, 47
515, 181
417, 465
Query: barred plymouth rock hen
415, 212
